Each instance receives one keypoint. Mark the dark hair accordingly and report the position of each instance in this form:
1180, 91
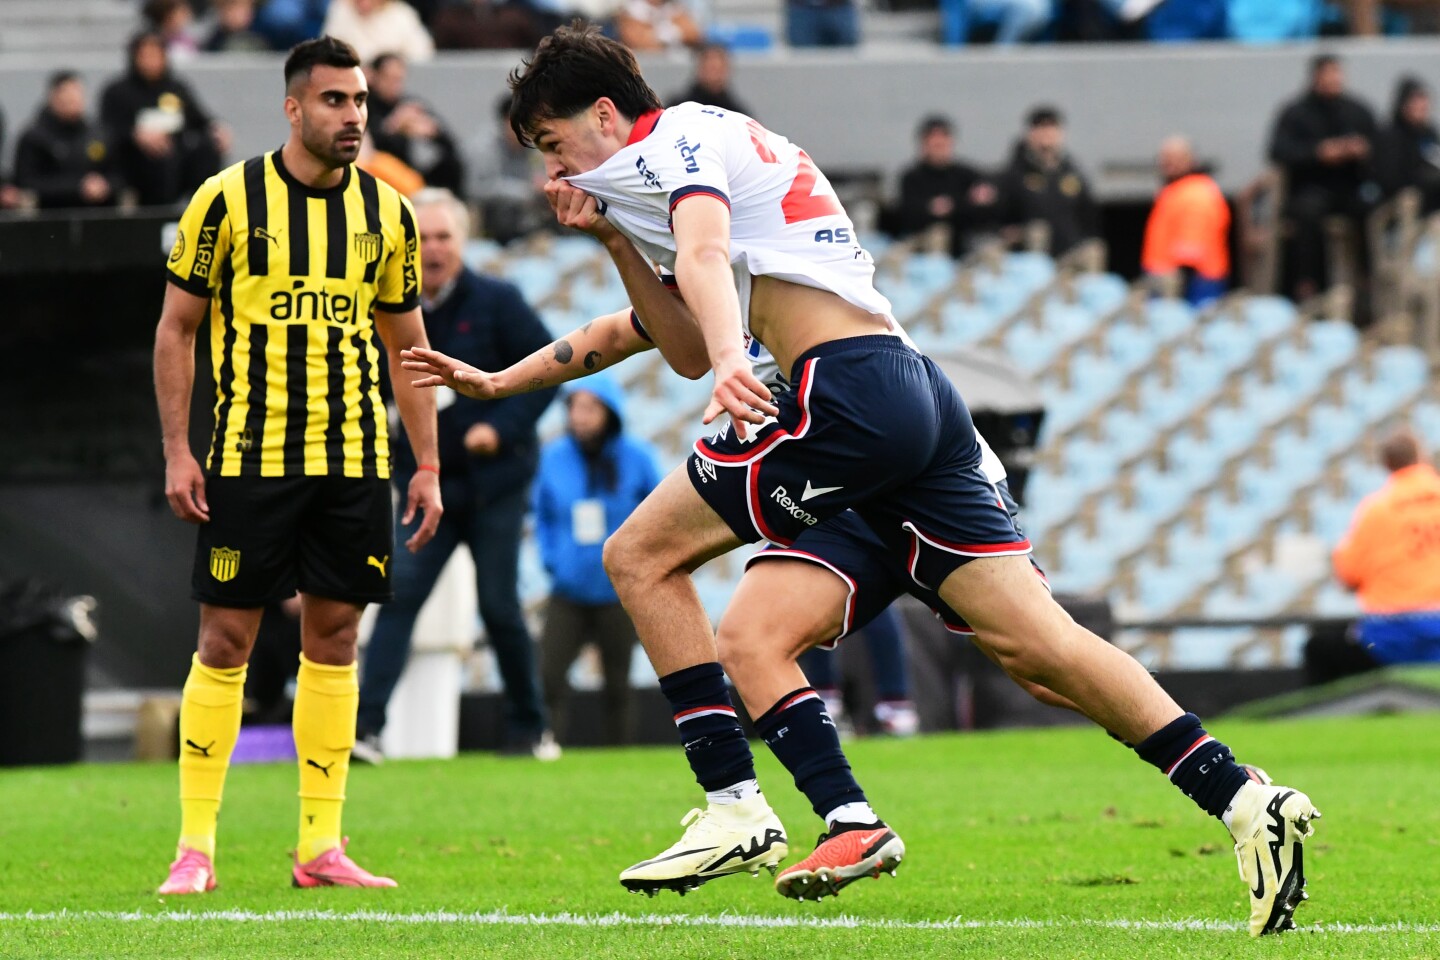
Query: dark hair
320, 52
139, 40
59, 78
1322, 60
380, 62
1408, 88
711, 46
1399, 450
571, 69
934, 122
1044, 116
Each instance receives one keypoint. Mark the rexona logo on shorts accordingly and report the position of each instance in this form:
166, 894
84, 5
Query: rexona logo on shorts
792, 507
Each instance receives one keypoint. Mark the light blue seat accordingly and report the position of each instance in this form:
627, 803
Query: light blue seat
479, 252
1169, 318
1194, 456
1066, 321
1232, 524
1128, 432
1162, 589
1089, 463
929, 271
998, 294
1229, 341
1028, 349
1130, 345
1333, 600
967, 322
1377, 398
1124, 529
1192, 550
1334, 340
1206, 648
1267, 490
1232, 429
1332, 516
1304, 456
1101, 293
1426, 421
535, 278
1404, 367
907, 299
1333, 428
569, 251
1029, 271
1049, 498
1268, 316
1363, 479
1267, 402
1163, 405
1297, 371
1197, 373
1273, 21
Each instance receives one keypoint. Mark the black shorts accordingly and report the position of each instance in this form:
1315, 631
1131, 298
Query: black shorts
873, 577
270, 536
874, 426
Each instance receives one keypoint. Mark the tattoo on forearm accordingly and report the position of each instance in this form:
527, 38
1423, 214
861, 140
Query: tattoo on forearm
563, 351
536, 384
588, 325
591, 359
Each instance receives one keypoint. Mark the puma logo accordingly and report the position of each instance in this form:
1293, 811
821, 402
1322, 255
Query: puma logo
379, 564
202, 751
262, 234
325, 769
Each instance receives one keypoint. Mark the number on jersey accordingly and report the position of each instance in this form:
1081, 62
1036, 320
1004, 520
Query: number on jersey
800, 202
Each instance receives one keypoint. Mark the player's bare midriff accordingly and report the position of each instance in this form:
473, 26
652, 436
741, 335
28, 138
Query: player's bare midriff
790, 319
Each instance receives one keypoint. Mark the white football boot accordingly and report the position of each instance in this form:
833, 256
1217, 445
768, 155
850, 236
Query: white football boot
1269, 824
722, 839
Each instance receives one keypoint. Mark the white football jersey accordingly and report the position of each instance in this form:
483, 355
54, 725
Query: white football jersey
785, 220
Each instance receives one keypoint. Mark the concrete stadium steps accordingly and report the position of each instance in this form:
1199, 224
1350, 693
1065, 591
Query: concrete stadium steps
66, 26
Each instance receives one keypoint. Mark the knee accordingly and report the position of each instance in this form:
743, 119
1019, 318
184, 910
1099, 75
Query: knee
744, 647
225, 645
1031, 651
629, 563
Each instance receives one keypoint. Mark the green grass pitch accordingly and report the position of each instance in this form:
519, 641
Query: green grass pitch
1050, 844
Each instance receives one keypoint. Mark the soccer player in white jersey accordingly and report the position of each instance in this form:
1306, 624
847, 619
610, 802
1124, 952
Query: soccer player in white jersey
756, 237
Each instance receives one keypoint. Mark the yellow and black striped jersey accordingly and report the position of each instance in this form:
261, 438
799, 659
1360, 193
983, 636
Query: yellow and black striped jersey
294, 275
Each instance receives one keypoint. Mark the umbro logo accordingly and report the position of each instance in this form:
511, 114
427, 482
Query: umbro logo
325, 769
758, 845
704, 469
260, 233
202, 751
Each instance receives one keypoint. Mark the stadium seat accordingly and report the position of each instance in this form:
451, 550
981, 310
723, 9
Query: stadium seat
1334, 341
1030, 271
1273, 21
1183, 21
1127, 432
1169, 318
966, 322
1162, 589
1206, 648
1268, 315
1333, 427
999, 294
1028, 350
1101, 293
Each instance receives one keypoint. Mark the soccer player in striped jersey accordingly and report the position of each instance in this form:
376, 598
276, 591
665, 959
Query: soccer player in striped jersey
304, 268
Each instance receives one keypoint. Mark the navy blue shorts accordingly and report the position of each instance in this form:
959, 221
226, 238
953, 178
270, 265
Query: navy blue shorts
870, 425
874, 577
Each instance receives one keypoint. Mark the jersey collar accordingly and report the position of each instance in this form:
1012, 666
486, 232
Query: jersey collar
644, 124
306, 189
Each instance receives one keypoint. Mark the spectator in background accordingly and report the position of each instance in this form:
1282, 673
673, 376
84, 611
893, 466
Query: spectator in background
895, 713
1407, 153
941, 190
404, 126
1365, 15
234, 30
589, 481
164, 142
285, 23
174, 20
509, 181
1188, 231
482, 25
1391, 558
374, 27
822, 23
388, 167
656, 25
1043, 183
1323, 141
1015, 20
487, 457
62, 158
10, 195
710, 83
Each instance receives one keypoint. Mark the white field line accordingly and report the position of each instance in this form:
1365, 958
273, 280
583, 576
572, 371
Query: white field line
730, 920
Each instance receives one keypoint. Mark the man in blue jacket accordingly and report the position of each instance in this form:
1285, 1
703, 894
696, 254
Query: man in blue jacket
589, 481
488, 452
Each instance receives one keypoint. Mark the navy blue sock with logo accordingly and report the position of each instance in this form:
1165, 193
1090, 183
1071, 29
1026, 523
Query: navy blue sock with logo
714, 743
803, 738
1201, 766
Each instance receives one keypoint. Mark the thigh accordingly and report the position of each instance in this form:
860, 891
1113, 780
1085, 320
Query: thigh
841, 569
1003, 602
675, 528
246, 555
346, 541
860, 421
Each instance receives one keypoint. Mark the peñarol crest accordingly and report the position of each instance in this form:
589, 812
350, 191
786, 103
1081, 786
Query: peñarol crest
367, 247
224, 563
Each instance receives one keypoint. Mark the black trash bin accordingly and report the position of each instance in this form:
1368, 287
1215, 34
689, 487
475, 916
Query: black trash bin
44, 638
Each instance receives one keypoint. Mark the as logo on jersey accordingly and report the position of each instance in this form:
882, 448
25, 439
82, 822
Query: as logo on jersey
838, 235
688, 153
646, 174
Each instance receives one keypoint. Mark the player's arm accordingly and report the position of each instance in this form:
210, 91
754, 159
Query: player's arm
601, 343
666, 319
701, 223
401, 332
180, 318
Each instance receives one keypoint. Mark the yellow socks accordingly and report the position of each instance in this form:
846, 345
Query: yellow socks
209, 724
326, 700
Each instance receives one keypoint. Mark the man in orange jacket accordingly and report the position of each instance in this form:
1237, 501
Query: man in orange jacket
1391, 558
1189, 227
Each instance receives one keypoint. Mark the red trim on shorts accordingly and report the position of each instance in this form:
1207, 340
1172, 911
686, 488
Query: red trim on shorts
702, 449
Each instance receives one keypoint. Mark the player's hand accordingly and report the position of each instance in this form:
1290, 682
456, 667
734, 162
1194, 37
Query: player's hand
739, 393
424, 496
185, 488
578, 210
438, 370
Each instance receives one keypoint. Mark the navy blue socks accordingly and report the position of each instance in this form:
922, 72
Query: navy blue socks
714, 743
1201, 766
804, 739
